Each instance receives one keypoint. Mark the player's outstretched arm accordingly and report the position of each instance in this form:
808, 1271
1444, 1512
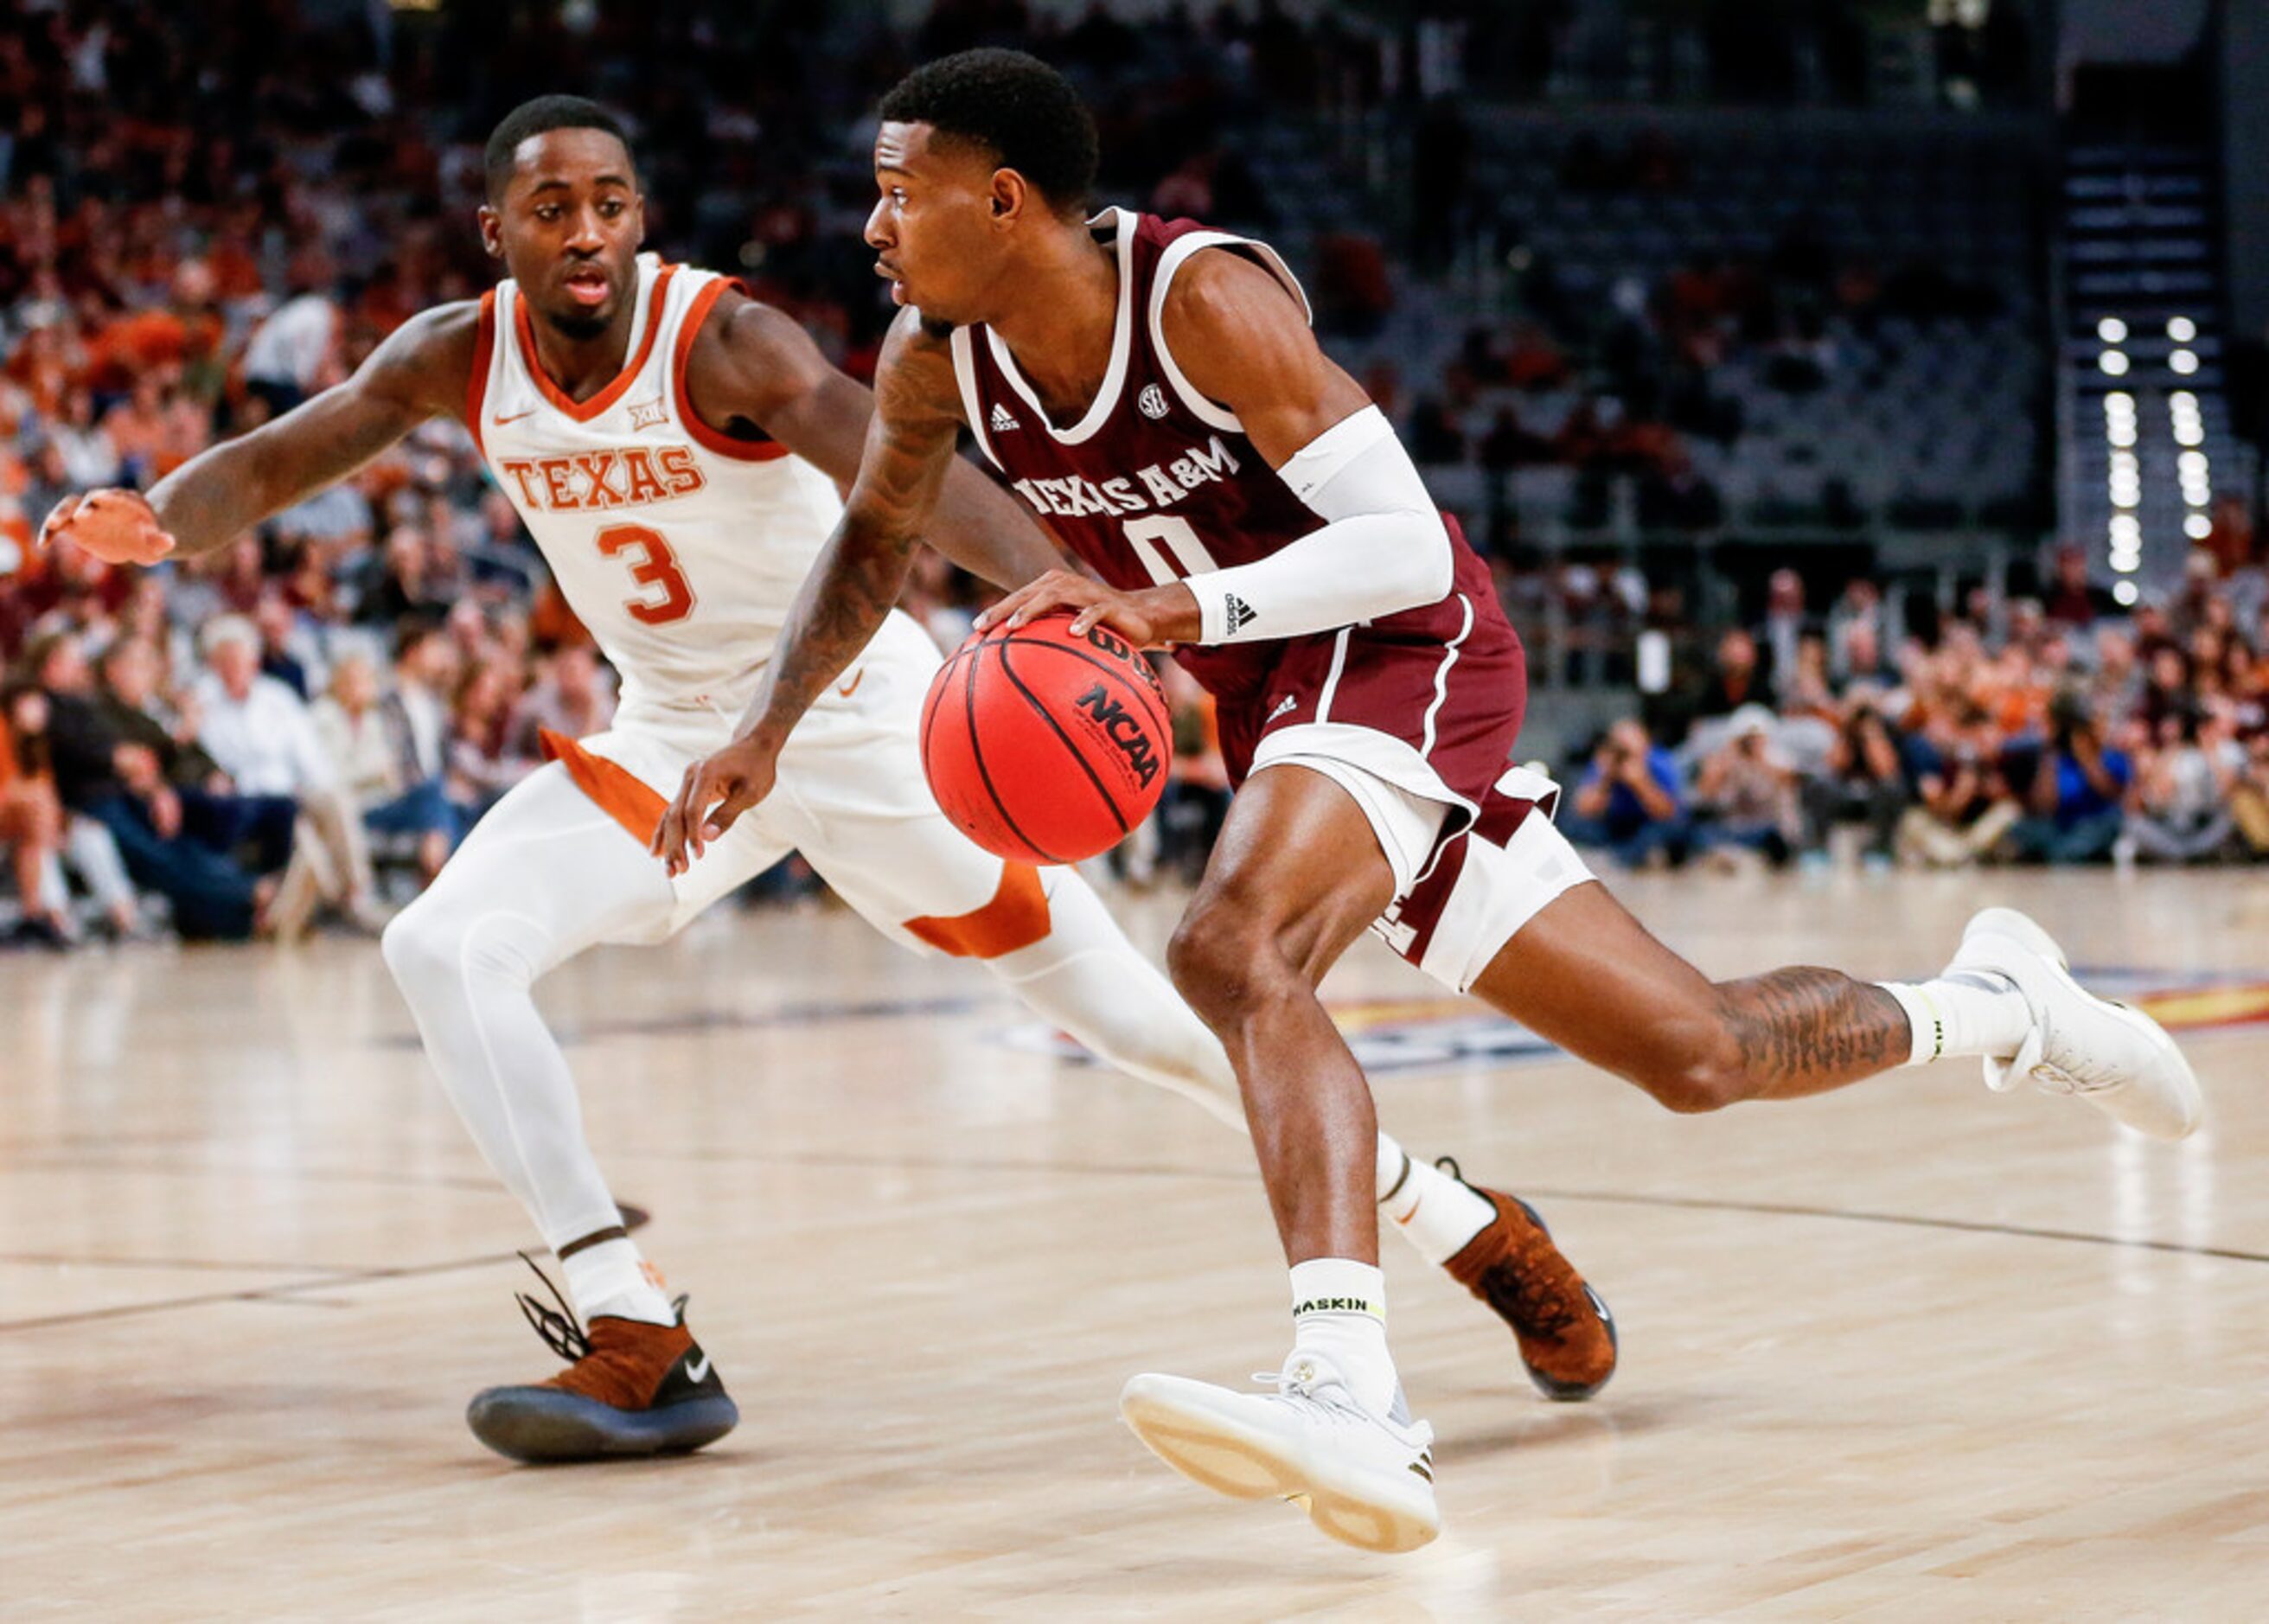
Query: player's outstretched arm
757, 363
858, 577
421, 371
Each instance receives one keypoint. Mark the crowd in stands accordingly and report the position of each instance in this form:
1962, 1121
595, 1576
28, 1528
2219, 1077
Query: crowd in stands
2055, 730
207, 217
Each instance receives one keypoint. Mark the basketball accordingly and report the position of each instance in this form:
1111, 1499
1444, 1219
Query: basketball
1046, 746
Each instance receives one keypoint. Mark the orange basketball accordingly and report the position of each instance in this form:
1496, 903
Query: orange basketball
1046, 747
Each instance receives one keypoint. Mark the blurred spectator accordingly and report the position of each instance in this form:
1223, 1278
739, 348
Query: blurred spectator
2077, 791
254, 831
1630, 801
1745, 795
2182, 809
1783, 628
482, 764
264, 738
120, 786
1866, 783
83, 844
1197, 796
2071, 599
1964, 806
32, 832
295, 351
377, 766
570, 699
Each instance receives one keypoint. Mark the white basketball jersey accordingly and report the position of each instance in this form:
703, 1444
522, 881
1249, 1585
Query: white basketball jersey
680, 548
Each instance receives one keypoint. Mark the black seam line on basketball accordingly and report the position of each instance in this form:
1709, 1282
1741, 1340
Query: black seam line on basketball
984, 774
937, 692
1097, 662
1056, 727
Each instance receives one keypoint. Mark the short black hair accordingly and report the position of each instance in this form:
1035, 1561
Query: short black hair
535, 118
1020, 110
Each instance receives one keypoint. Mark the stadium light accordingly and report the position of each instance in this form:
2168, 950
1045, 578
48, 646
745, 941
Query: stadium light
2123, 594
2184, 361
2112, 330
2181, 329
2114, 363
2198, 527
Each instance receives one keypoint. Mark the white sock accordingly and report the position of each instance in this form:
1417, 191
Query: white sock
1339, 1311
611, 1278
1970, 1012
1429, 1209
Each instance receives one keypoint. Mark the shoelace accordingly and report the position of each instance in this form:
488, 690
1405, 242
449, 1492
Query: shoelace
1535, 1303
562, 1332
1296, 1381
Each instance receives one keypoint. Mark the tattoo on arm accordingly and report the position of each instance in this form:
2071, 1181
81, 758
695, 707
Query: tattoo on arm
1809, 1026
863, 568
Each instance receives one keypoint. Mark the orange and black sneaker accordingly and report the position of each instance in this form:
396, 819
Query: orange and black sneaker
630, 1389
1566, 1335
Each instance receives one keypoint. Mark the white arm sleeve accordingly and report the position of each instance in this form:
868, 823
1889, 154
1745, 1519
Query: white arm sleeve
1383, 546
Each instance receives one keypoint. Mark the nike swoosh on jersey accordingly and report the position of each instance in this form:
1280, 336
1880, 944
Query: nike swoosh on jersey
852, 687
516, 417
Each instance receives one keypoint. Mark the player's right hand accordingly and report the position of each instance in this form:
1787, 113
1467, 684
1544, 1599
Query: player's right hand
116, 526
714, 792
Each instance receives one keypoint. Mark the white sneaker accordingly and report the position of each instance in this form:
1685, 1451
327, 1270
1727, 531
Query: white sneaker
2116, 1059
1364, 1478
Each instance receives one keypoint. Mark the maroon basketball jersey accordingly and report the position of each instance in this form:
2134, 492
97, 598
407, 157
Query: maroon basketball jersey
1156, 482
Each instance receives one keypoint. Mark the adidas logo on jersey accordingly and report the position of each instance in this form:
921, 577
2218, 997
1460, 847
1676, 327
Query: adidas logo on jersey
1238, 613
1001, 421
1284, 706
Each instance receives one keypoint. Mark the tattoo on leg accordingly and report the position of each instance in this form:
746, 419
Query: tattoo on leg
1814, 1028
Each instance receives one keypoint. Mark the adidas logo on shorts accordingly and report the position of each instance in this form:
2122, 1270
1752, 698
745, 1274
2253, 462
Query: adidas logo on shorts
1001, 421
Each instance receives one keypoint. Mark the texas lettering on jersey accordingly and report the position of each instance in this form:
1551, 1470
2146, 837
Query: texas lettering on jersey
594, 480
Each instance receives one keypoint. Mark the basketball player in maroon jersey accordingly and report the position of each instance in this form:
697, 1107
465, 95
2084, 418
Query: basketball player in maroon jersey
586, 372
1153, 389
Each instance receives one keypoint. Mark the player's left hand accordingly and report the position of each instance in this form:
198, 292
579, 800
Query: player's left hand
1156, 618
714, 793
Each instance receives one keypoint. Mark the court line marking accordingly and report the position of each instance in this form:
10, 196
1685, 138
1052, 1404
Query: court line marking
990, 1166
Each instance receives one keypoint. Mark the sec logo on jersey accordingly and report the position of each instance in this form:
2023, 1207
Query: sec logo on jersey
1152, 401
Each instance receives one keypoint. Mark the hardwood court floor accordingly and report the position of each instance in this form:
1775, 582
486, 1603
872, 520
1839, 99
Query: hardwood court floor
1912, 1352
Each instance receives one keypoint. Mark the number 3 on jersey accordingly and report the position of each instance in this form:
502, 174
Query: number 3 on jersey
652, 564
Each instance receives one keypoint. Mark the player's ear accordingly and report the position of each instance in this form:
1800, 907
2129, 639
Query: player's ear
492, 233
1009, 196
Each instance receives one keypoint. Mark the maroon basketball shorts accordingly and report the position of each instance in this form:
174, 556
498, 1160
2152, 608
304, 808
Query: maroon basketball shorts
1419, 731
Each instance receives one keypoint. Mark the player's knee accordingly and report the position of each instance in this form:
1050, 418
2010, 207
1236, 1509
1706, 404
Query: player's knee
419, 950
1218, 959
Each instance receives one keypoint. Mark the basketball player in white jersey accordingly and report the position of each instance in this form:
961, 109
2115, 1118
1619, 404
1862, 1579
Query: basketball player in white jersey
672, 445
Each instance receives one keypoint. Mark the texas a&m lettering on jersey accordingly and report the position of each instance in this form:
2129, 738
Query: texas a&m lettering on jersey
1146, 491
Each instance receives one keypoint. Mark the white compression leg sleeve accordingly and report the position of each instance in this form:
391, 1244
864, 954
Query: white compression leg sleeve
544, 875
1087, 978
